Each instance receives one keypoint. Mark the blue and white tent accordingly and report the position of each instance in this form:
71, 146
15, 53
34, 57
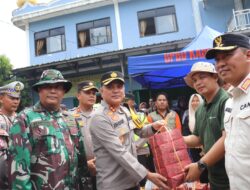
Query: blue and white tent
167, 70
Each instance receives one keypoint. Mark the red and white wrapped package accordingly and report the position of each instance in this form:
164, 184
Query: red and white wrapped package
193, 186
170, 156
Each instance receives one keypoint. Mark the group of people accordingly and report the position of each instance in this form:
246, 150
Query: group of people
47, 147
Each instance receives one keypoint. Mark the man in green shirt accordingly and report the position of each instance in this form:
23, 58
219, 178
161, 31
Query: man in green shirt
209, 128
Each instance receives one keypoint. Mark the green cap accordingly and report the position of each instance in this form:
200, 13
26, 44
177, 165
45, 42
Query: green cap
52, 76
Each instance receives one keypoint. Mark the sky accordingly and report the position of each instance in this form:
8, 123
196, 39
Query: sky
12, 39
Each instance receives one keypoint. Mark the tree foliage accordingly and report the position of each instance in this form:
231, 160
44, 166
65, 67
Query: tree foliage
5, 70
6, 76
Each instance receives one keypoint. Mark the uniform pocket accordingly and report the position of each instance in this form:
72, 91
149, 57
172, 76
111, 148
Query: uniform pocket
244, 117
243, 128
45, 140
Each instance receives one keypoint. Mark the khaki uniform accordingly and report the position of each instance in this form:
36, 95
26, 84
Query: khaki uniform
83, 119
237, 144
115, 150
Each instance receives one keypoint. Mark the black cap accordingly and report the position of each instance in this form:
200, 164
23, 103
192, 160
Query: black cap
87, 85
228, 42
111, 76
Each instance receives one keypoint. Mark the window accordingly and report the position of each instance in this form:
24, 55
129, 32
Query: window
50, 41
94, 33
157, 21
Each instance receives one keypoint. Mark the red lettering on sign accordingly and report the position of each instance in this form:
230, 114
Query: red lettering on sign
168, 57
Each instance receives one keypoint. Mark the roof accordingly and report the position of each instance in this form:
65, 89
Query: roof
33, 13
93, 63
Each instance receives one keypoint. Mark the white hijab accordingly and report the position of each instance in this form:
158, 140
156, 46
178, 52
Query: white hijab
191, 111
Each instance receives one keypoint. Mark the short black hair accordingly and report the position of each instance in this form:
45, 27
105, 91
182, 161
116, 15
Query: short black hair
161, 93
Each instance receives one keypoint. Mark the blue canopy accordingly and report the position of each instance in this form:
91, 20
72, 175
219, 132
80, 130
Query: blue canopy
167, 70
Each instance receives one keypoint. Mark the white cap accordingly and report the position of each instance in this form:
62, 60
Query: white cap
12, 89
199, 67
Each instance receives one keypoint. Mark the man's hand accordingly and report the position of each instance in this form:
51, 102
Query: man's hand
158, 124
193, 172
91, 166
158, 180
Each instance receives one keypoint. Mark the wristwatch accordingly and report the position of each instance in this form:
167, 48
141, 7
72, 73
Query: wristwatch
201, 165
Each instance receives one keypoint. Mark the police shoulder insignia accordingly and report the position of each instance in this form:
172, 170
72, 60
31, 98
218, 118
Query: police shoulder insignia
76, 115
245, 85
3, 133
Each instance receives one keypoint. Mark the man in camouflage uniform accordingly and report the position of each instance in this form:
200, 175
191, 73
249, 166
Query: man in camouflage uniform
86, 96
46, 147
9, 100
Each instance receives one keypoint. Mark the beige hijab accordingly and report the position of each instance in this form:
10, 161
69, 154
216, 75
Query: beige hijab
191, 111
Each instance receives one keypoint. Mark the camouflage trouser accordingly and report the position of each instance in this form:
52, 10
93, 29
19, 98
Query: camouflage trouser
3, 171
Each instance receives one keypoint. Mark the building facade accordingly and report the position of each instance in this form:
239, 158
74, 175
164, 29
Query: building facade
84, 38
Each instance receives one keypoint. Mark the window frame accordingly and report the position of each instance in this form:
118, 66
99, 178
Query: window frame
153, 14
49, 35
94, 25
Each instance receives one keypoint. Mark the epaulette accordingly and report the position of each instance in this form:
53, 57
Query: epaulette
76, 115
3, 133
245, 85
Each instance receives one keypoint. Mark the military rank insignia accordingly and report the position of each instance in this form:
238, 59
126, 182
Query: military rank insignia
113, 74
218, 41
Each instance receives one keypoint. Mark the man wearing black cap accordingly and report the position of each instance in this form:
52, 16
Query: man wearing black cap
46, 148
86, 95
232, 55
112, 133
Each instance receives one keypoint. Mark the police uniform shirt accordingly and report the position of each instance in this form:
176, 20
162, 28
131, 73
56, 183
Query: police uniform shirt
237, 143
116, 160
83, 119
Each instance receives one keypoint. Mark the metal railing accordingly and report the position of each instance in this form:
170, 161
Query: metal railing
240, 20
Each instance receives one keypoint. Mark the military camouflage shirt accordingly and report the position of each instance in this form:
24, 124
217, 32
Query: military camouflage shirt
47, 151
5, 124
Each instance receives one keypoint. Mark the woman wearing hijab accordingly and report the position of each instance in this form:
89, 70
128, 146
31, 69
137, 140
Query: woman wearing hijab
188, 127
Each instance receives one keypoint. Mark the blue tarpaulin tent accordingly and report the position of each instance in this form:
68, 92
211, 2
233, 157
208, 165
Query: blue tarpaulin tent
167, 70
